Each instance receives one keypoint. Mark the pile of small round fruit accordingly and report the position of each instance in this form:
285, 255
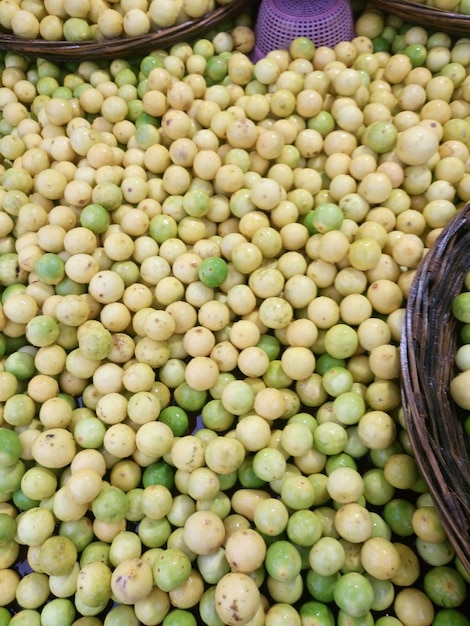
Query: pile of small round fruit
84, 20
204, 267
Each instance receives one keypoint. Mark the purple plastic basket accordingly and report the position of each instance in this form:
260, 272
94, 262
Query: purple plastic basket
279, 22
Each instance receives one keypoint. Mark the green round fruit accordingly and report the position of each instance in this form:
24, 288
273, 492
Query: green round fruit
283, 561
314, 613
461, 307
381, 44
50, 268
10, 447
417, 54
323, 123
450, 617
188, 398
445, 586
77, 29
7, 528
321, 587
179, 617
354, 594
159, 473
95, 217
5, 616
327, 217
21, 365
271, 345
110, 505
212, 271
381, 137
216, 68
176, 418
171, 569
398, 514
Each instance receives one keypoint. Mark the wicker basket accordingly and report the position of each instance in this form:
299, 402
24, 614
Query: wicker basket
429, 342
123, 46
424, 15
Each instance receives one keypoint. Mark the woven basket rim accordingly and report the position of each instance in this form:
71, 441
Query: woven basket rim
438, 19
122, 46
429, 341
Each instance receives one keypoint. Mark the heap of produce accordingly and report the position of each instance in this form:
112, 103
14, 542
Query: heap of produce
204, 267
85, 20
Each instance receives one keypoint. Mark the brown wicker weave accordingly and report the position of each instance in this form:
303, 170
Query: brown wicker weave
424, 15
429, 343
123, 46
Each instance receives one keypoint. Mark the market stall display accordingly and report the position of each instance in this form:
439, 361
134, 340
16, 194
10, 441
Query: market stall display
205, 263
163, 28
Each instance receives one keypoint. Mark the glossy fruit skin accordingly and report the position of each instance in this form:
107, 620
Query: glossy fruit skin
213, 271
445, 587
315, 613
354, 594
461, 307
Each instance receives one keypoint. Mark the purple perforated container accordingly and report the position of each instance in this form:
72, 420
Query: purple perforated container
279, 22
